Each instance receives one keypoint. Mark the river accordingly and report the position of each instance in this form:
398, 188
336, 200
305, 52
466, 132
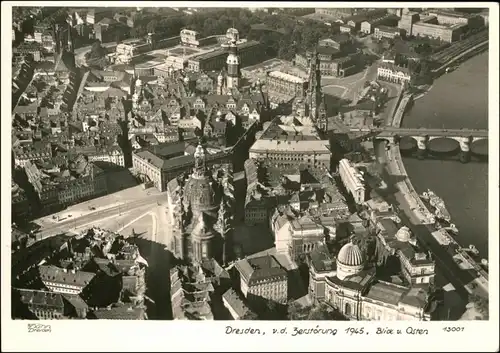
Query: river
457, 100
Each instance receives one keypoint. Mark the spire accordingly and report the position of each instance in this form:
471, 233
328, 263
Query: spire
69, 46
199, 161
223, 219
223, 227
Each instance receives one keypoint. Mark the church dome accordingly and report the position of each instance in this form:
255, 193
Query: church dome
350, 261
350, 255
404, 234
201, 194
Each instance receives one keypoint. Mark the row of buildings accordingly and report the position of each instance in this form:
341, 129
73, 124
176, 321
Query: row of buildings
349, 283
337, 56
447, 26
62, 185
95, 275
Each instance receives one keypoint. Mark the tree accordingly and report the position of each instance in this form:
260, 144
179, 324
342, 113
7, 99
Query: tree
97, 51
324, 312
297, 311
151, 26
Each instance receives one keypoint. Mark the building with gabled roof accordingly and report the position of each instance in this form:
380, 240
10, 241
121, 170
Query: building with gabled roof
61, 280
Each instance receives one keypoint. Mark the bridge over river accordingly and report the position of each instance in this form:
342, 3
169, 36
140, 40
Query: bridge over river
465, 137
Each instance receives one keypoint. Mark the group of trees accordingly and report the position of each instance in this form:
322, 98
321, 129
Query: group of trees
96, 57
320, 311
284, 36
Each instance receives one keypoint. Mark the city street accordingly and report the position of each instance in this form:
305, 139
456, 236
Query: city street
94, 211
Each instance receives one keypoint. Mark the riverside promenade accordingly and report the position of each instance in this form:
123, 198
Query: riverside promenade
462, 271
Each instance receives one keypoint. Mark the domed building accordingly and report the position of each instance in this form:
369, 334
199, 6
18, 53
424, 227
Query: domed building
350, 261
350, 286
404, 234
198, 209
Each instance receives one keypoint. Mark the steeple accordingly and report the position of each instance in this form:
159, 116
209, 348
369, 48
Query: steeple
233, 66
70, 46
316, 105
223, 227
199, 162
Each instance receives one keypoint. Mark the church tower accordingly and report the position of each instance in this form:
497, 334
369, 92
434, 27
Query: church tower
316, 99
70, 47
233, 67
223, 227
314, 90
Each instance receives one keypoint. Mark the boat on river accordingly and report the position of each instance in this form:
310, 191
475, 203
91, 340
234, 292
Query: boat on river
436, 205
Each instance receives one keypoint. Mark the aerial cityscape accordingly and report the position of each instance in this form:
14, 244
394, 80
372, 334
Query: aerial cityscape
249, 163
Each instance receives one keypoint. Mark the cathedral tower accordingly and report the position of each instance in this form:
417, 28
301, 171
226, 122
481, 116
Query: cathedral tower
316, 99
233, 66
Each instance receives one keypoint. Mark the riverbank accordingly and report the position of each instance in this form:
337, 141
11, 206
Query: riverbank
418, 211
459, 100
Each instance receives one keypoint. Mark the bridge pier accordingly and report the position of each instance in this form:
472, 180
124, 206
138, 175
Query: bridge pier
465, 148
422, 146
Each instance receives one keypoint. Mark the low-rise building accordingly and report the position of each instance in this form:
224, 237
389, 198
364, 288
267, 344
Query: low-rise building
237, 308
393, 73
193, 287
61, 280
352, 180
321, 265
445, 32
263, 279
386, 32
284, 84
112, 155
417, 266
288, 145
43, 305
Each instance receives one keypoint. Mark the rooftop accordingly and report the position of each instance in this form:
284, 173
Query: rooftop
234, 301
49, 273
386, 292
286, 77
263, 268
41, 298
119, 312
321, 259
305, 146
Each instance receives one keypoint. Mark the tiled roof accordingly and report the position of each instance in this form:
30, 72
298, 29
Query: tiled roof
49, 273
76, 301
119, 312
234, 301
41, 298
261, 268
